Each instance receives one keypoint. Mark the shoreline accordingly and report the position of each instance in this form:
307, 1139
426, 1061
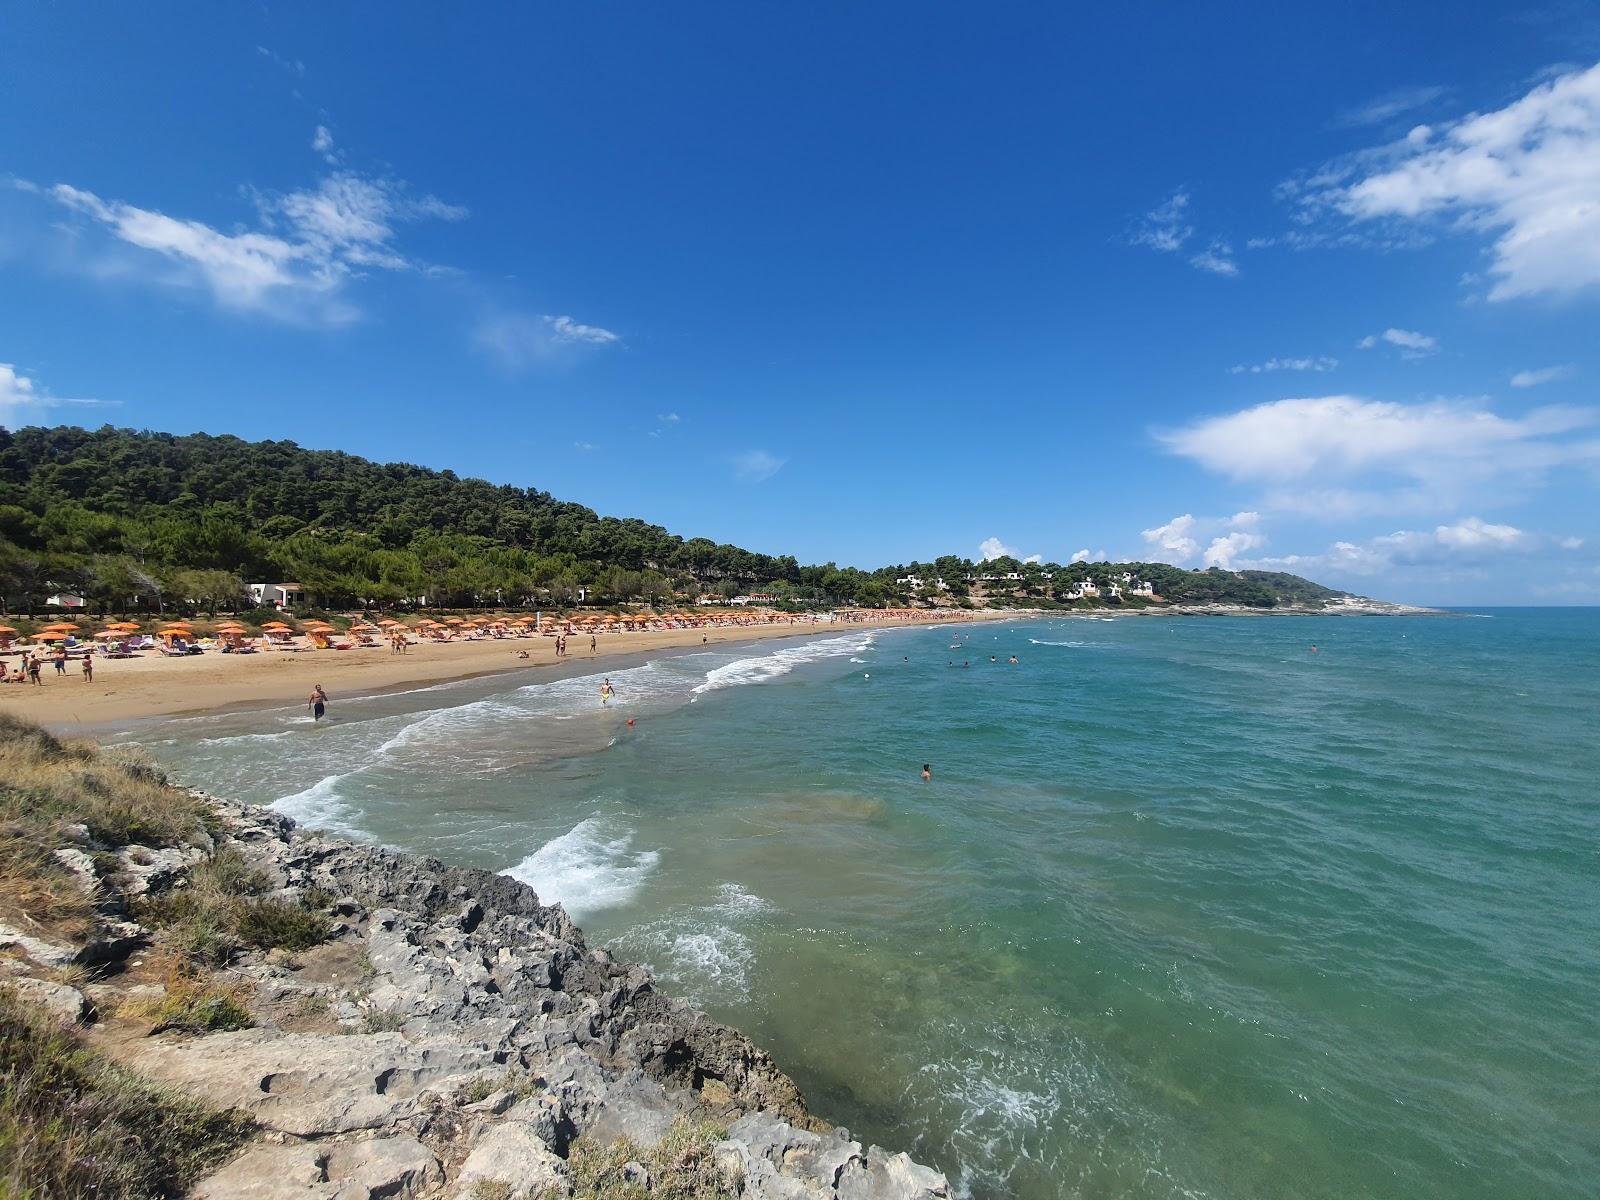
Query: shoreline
141, 690
127, 692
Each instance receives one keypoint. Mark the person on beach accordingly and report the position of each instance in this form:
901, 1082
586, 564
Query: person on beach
88, 666
593, 645
606, 691
318, 703
61, 660
927, 773
33, 671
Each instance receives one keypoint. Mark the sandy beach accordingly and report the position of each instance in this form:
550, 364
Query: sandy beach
154, 686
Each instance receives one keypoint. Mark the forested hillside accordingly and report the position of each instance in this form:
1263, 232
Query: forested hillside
139, 519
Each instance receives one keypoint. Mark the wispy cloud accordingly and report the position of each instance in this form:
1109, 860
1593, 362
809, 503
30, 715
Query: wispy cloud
1527, 175
22, 399
1326, 455
322, 143
1528, 379
584, 446
1321, 363
296, 266
1382, 109
292, 65
1410, 343
1465, 541
756, 466
1216, 258
520, 340
1166, 227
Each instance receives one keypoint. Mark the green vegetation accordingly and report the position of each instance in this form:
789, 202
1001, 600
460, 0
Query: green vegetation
149, 522
47, 785
74, 1125
682, 1166
192, 1002
222, 910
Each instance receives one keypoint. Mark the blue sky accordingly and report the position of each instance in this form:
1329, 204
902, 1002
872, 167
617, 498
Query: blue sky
1316, 291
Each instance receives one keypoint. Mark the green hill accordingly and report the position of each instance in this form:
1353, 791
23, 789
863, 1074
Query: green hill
139, 520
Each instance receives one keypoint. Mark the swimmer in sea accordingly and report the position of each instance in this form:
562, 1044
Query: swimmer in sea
927, 772
1013, 660
318, 703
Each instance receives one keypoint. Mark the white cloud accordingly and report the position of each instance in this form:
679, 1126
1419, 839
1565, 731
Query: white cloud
1411, 343
1322, 363
1467, 541
754, 466
1442, 453
1527, 175
993, 548
1224, 550
310, 245
670, 418
1216, 258
322, 143
1528, 379
1034, 558
1173, 542
520, 341
22, 400
1079, 556
565, 329
1390, 105
1178, 541
1165, 227
583, 446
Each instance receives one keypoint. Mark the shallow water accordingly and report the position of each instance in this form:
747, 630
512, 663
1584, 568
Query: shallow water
1186, 911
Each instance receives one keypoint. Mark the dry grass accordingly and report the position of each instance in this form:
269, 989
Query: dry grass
46, 785
74, 1125
682, 1166
193, 1001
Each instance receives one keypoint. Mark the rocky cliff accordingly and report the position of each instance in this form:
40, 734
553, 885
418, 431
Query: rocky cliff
445, 1035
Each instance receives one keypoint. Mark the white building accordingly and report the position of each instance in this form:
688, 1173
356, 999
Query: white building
1144, 588
914, 582
64, 600
1116, 591
276, 595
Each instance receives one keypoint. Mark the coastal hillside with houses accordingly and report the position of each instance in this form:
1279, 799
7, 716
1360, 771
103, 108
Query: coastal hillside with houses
117, 520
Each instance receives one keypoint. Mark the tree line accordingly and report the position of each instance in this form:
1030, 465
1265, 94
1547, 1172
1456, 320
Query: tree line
140, 520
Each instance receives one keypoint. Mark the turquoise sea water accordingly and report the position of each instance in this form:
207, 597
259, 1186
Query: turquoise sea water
1186, 911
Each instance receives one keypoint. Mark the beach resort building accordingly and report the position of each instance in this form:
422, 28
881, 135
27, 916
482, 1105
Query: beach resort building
64, 600
276, 595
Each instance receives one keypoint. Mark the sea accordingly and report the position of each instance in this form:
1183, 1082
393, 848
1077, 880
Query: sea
1190, 907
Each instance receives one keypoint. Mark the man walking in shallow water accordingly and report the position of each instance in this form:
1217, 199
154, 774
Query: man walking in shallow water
318, 703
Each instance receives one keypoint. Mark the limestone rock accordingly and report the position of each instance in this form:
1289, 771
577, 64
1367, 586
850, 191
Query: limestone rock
512, 1153
65, 1003
391, 1168
294, 1172
82, 867
308, 1084
42, 950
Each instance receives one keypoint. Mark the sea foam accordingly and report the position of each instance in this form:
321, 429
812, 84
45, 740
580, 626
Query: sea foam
762, 667
588, 869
